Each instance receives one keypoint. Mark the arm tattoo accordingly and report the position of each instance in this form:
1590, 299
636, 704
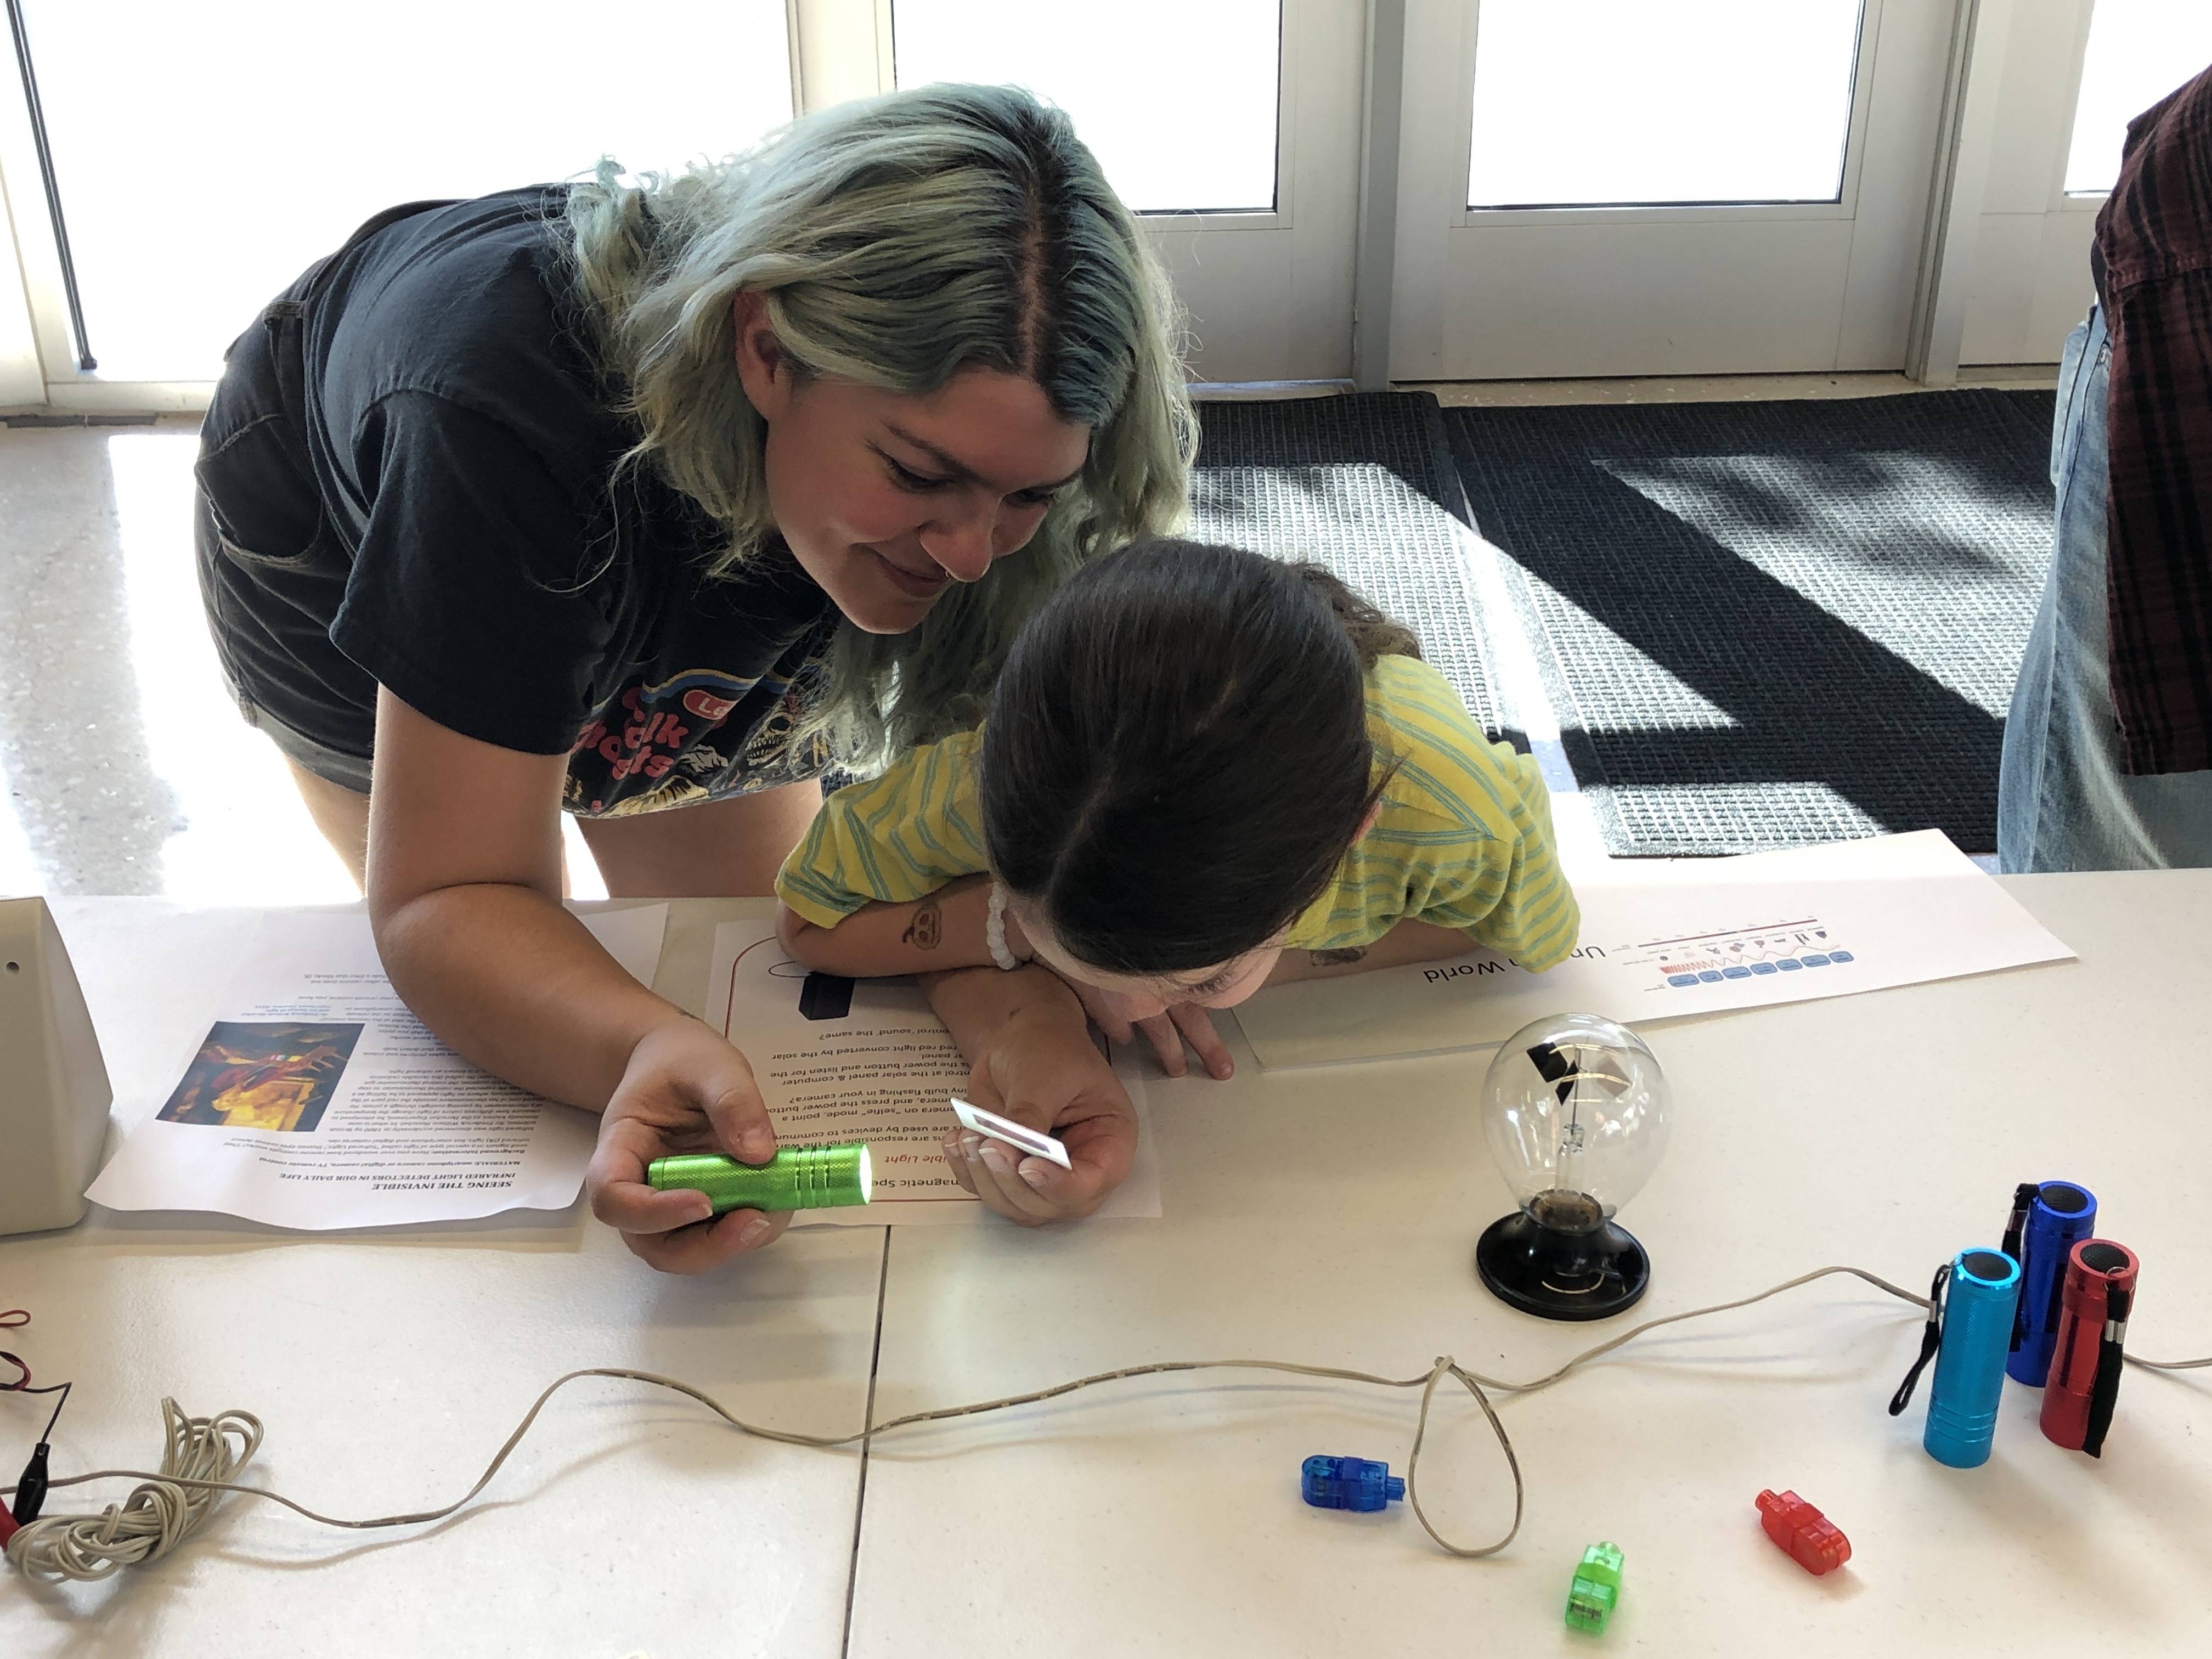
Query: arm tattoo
1339, 957
926, 931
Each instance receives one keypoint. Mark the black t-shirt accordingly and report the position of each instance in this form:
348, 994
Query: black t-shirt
429, 385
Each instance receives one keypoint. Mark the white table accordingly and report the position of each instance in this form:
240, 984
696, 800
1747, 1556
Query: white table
1325, 1216
1329, 1216
387, 1367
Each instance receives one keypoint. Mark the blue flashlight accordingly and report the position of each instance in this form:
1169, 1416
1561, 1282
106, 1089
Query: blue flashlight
1962, 1405
2047, 1221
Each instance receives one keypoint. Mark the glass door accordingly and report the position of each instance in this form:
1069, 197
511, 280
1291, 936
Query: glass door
2134, 53
2075, 74
1614, 187
200, 156
1232, 127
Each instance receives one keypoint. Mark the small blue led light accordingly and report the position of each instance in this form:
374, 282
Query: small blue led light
1349, 1483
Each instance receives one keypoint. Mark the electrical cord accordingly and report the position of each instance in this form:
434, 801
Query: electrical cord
29, 1493
197, 1466
159, 1515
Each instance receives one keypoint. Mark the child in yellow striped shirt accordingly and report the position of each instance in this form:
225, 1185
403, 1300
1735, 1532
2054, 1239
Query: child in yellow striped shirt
1204, 770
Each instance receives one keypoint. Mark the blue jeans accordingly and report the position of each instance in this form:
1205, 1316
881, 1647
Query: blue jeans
2062, 801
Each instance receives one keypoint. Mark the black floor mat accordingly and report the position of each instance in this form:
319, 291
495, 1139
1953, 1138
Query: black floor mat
1365, 485
1772, 625
2039, 407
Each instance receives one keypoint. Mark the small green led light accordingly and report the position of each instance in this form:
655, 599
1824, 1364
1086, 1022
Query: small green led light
1591, 1598
796, 1178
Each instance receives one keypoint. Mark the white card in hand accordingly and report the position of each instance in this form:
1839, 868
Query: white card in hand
1013, 1134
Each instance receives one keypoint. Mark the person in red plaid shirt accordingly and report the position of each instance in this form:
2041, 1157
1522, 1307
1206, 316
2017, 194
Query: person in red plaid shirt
2108, 745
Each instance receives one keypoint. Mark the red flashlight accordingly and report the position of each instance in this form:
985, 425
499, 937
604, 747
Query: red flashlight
2100, 1290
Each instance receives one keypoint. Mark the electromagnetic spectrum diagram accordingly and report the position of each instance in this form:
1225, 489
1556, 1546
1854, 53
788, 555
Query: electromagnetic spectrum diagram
1752, 952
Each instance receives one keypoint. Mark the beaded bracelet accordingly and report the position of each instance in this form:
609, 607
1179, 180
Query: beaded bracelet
994, 929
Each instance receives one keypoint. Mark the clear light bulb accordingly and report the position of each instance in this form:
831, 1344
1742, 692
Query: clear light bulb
1576, 1112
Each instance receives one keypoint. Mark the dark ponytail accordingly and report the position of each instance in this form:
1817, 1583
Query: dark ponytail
1375, 634
1178, 755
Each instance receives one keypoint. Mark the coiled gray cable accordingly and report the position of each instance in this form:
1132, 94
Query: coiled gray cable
196, 1470
200, 1460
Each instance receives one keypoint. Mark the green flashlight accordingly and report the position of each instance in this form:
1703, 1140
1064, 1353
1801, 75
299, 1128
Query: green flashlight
796, 1178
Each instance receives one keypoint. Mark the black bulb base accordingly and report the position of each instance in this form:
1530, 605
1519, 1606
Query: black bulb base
1589, 1274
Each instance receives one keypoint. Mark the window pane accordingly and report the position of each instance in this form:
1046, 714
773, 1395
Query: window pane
1625, 102
2139, 51
1176, 98
207, 152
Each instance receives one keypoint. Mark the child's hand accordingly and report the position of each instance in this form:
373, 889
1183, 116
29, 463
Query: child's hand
1167, 1030
1040, 1068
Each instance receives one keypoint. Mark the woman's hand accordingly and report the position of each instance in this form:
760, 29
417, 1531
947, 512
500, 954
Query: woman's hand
1167, 1030
1039, 1067
686, 1091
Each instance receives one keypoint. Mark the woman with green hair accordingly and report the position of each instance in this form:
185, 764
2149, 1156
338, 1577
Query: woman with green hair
627, 500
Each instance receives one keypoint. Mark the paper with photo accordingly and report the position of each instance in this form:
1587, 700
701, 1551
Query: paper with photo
318, 1101
1745, 933
841, 1060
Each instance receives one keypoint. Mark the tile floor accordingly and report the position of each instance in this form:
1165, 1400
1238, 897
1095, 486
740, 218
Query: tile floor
123, 766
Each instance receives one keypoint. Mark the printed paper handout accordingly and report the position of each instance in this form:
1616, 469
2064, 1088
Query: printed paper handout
317, 1101
842, 1060
1745, 933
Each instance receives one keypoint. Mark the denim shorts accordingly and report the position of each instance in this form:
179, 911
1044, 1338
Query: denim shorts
268, 558
330, 765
